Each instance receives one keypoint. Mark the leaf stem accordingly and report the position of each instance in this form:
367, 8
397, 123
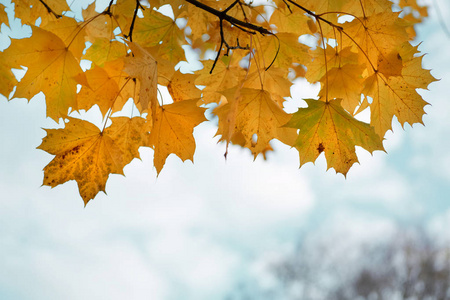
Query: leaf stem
108, 115
325, 60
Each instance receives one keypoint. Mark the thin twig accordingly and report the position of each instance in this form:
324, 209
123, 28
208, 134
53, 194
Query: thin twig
288, 6
314, 15
244, 26
108, 10
222, 40
276, 54
50, 10
339, 28
130, 33
325, 60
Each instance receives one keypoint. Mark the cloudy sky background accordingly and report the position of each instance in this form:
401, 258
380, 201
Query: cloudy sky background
197, 229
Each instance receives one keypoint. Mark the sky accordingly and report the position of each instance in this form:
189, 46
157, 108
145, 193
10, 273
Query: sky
197, 229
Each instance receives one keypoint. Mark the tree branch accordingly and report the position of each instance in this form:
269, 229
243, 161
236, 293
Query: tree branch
247, 27
130, 33
223, 16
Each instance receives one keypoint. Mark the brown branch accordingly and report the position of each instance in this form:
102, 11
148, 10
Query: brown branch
245, 26
130, 33
222, 40
108, 10
223, 16
243, 11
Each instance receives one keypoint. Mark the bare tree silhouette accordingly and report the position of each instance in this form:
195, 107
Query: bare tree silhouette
409, 265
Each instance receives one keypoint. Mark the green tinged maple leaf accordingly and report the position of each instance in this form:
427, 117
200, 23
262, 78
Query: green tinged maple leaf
327, 127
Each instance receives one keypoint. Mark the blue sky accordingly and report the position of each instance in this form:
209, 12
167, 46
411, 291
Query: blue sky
195, 230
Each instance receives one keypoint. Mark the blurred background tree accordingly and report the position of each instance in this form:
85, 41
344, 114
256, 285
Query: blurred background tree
409, 264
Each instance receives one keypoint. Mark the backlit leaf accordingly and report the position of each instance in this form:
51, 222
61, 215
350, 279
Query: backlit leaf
143, 66
327, 127
52, 69
82, 153
172, 131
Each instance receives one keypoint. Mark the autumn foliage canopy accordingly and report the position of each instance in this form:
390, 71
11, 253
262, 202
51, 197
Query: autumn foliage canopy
358, 51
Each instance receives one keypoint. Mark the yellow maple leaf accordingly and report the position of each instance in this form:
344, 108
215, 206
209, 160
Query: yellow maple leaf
274, 80
172, 131
108, 88
366, 8
227, 120
166, 69
3, 15
345, 83
420, 9
376, 35
70, 32
322, 7
178, 6
128, 134
283, 50
83, 153
198, 21
392, 96
103, 50
123, 12
327, 127
182, 87
52, 69
143, 66
257, 116
30, 10
326, 60
390, 64
224, 77
158, 30
412, 71
7, 78
287, 21
97, 25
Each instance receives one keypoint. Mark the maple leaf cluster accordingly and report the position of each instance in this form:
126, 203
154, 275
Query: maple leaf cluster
358, 51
